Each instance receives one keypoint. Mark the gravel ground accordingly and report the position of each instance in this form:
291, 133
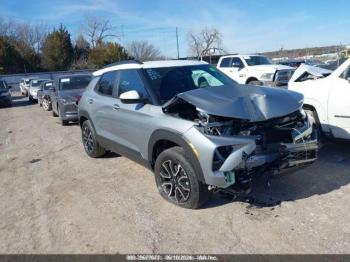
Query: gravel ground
55, 199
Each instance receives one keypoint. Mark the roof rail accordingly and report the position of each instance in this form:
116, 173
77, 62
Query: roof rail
124, 62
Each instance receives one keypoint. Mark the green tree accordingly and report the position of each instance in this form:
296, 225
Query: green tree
57, 53
107, 53
10, 59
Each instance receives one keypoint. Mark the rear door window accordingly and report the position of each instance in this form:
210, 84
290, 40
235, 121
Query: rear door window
225, 62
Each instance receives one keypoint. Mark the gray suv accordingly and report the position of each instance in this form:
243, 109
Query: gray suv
65, 95
195, 128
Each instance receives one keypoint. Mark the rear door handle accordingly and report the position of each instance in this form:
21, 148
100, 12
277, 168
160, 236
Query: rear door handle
90, 101
116, 107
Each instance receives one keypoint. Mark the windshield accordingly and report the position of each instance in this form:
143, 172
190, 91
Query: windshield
47, 85
36, 83
257, 60
74, 82
167, 82
27, 82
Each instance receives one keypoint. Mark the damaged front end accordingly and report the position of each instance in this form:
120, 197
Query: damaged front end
233, 151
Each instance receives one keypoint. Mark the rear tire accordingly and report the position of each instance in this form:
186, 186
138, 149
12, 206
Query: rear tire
177, 180
88, 136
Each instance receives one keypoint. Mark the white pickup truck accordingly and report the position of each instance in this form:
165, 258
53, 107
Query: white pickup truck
254, 70
326, 97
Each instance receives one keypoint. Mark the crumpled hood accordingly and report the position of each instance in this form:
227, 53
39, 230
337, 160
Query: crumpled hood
311, 70
271, 68
245, 102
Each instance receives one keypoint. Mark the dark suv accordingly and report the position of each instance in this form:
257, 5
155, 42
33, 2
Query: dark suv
66, 93
5, 94
194, 127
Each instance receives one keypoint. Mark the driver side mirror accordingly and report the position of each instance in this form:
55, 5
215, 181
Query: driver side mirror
132, 97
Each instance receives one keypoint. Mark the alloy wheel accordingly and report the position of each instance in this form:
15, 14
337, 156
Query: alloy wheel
45, 104
88, 140
175, 182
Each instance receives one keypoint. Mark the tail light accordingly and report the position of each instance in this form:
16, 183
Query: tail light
77, 99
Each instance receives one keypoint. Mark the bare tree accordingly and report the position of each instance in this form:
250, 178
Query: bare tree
200, 43
40, 32
97, 30
25, 35
142, 50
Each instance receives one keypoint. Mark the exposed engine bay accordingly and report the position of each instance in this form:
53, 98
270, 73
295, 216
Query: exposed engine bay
276, 145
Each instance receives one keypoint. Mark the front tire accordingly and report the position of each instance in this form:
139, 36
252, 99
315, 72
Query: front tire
54, 113
62, 122
46, 105
177, 180
255, 83
88, 137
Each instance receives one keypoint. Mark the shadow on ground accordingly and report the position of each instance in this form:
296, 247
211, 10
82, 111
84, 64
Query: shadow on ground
328, 173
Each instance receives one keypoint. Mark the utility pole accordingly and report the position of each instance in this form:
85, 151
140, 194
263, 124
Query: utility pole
177, 44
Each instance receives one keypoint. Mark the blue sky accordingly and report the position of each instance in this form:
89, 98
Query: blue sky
247, 25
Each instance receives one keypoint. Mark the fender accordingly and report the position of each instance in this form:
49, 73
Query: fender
84, 113
178, 139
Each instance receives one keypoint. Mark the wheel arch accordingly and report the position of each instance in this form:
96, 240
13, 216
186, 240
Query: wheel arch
318, 108
161, 140
251, 78
83, 116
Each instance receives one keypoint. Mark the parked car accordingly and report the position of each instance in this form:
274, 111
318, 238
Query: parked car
24, 85
254, 70
34, 87
326, 97
43, 94
66, 95
194, 127
295, 63
5, 94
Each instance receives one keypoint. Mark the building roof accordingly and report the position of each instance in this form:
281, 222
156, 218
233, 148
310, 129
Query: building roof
150, 64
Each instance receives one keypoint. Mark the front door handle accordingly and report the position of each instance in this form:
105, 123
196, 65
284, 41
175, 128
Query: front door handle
90, 101
116, 107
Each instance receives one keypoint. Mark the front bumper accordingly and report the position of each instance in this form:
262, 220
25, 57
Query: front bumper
34, 96
247, 156
5, 100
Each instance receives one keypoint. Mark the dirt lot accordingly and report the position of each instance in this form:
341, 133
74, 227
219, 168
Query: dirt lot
55, 199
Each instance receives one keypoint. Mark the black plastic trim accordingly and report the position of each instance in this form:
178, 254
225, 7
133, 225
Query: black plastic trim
178, 139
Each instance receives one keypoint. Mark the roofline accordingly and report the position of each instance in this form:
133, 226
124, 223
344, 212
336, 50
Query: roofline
123, 62
70, 75
134, 64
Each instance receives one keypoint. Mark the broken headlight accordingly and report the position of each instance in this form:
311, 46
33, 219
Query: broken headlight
220, 155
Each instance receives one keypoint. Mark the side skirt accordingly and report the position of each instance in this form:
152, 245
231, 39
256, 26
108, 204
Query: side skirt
124, 151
